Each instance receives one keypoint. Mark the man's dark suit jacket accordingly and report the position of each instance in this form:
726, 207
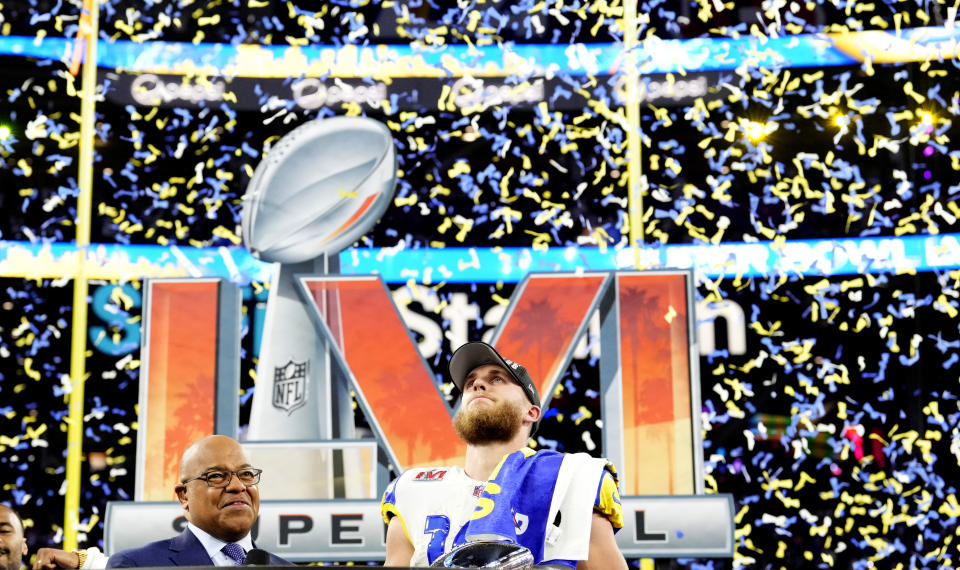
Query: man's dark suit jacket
183, 550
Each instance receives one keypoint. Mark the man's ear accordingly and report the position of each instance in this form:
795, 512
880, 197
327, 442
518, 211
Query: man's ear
181, 492
23, 548
534, 413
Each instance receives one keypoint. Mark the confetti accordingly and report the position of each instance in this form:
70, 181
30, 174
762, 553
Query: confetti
834, 429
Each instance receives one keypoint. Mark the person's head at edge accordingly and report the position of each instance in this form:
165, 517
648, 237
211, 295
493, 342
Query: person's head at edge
500, 402
13, 545
229, 512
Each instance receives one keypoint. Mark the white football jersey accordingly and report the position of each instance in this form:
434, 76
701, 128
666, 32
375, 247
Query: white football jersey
434, 504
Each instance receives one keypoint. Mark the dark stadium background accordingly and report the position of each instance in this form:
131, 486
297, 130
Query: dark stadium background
894, 505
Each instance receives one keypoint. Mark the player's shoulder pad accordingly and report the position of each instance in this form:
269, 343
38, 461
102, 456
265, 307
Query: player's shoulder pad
612, 470
608, 501
401, 486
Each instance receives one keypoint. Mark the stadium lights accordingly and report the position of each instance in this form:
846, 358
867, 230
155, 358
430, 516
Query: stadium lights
756, 131
5, 132
926, 124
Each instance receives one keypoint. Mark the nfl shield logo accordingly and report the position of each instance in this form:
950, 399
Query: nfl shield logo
290, 385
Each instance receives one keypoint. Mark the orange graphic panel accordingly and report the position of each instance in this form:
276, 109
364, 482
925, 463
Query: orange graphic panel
542, 328
654, 352
177, 403
389, 372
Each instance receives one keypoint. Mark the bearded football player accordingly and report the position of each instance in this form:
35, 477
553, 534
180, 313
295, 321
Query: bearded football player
561, 510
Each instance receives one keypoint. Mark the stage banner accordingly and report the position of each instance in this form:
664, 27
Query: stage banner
402, 94
352, 530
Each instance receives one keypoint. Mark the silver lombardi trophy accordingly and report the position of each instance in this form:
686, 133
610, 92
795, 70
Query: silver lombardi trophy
319, 189
487, 554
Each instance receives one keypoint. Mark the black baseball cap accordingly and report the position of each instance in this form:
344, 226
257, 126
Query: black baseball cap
474, 354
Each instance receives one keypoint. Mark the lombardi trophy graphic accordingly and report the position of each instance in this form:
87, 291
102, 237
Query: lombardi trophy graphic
319, 189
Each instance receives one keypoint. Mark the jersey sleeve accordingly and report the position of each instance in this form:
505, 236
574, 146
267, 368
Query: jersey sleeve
607, 501
388, 503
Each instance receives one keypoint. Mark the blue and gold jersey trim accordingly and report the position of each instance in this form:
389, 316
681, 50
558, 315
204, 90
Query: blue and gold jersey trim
608, 501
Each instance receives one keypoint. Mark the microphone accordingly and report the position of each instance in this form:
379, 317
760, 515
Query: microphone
257, 557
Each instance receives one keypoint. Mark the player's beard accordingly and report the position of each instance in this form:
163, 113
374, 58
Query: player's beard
477, 425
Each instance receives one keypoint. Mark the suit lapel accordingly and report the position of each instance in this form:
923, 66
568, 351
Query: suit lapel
186, 550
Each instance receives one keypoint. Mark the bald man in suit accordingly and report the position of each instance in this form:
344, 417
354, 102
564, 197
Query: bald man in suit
220, 498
